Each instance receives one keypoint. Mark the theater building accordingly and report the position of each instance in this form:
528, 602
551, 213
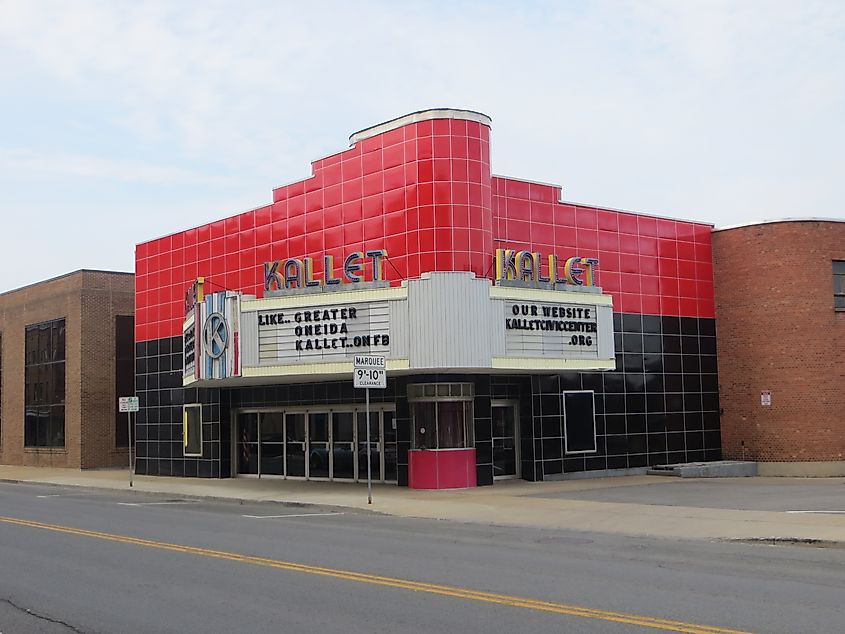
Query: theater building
66, 354
780, 303
524, 336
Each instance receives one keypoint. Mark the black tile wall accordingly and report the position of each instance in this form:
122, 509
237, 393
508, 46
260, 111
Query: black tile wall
660, 405
158, 383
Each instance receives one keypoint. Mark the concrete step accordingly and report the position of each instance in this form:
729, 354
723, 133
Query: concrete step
664, 470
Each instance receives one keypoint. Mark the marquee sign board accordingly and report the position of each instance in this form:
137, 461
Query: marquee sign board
546, 329
326, 333
439, 322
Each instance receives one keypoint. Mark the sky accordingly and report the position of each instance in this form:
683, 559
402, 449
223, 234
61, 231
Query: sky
123, 121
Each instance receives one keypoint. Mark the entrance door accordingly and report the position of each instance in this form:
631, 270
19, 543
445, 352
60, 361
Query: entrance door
247, 444
319, 441
315, 444
295, 446
343, 445
271, 432
505, 439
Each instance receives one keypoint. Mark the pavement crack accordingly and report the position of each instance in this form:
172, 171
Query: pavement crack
42, 617
788, 541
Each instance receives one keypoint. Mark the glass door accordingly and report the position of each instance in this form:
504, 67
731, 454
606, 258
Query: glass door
271, 432
505, 439
315, 444
295, 445
343, 446
319, 440
247, 444
374, 448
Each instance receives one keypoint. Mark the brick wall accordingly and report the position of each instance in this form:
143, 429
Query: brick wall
88, 301
103, 297
777, 330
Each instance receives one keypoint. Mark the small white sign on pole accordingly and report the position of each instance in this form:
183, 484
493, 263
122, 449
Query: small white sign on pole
370, 372
128, 403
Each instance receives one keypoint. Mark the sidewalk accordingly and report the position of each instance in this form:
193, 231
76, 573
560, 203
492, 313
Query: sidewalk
515, 503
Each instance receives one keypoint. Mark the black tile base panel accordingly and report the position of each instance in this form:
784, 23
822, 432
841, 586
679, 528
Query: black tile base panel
660, 405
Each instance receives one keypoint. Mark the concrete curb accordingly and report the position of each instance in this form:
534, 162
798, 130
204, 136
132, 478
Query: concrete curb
190, 496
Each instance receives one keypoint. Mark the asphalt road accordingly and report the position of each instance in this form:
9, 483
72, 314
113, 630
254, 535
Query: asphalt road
76, 560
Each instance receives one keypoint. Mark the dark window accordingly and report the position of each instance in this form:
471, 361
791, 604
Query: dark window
44, 384
839, 284
580, 421
124, 372
192, 441
442, 424
453, 420
442, 415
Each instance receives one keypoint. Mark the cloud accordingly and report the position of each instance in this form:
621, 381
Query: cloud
128, 171
720, 111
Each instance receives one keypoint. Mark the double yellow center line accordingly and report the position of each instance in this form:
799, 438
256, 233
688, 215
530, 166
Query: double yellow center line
392, 582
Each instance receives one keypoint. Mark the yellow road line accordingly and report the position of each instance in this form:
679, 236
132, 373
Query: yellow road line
668, 625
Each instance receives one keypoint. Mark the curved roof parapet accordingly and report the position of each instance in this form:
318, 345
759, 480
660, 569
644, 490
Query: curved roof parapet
416, 117
776, 221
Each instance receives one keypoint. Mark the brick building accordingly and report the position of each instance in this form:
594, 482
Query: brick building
66, 353
780, 308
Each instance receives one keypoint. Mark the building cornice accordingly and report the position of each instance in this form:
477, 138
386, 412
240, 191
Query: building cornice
416, 117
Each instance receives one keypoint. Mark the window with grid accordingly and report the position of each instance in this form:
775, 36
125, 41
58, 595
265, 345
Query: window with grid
124, 372
442, 415
839, 284
44, 384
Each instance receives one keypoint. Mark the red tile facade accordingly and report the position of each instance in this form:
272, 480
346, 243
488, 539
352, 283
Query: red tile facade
650, 265
424, 192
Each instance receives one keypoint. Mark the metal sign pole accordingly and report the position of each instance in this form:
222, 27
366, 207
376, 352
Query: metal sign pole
129, 442
369, 454
369, 371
